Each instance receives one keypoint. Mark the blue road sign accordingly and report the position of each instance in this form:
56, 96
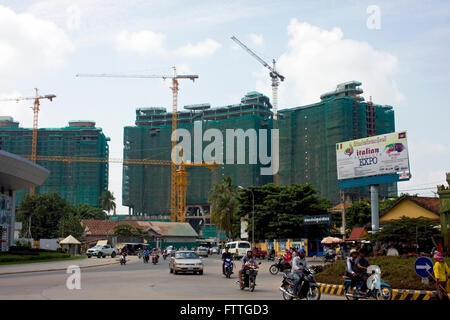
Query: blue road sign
423, 267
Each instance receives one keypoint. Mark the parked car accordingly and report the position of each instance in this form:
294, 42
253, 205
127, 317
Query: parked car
186, 261
258, 253
202, 251
238, 248
101, 251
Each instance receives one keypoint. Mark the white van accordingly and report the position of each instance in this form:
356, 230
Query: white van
238, 248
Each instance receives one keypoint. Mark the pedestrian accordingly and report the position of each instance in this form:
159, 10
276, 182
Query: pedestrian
441, 273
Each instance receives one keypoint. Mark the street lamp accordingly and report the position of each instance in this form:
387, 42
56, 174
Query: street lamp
253, 218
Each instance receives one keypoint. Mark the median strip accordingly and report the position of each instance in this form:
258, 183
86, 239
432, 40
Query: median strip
397, 294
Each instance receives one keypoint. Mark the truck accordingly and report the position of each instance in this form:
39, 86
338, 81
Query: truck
258, 253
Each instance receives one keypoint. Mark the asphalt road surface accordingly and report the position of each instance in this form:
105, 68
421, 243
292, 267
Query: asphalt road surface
143, 281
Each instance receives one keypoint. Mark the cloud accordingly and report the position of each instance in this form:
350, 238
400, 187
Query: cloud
142, 42
257, 39
28, 43
317, 60
201, 49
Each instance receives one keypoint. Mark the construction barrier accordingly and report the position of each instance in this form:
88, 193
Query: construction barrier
397, 294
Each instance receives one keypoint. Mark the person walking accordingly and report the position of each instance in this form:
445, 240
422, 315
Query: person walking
441, 273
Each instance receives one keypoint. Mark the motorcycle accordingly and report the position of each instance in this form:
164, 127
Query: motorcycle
329, 258
145, 257
249, 278
282, 265
155, 259
375, 287
309, 289
123, 260
228, 267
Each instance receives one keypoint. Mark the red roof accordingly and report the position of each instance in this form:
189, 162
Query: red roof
357, 234
429, 203
106, 227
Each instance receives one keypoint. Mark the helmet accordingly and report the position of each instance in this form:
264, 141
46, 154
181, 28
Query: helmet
353, 251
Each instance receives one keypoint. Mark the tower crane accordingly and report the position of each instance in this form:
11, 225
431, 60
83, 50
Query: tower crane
180, 173
36, 99
176, 203
275, 78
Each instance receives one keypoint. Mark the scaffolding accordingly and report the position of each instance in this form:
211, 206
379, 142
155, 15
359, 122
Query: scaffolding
78, 183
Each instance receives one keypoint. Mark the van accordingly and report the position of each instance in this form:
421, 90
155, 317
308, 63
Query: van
238, 248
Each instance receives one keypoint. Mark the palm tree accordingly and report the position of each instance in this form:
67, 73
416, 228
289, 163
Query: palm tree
224, 203
107, 201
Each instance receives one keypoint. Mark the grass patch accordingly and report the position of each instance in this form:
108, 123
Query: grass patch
8, 258
396, 271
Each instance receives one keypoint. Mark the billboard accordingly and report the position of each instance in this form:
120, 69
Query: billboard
385, 154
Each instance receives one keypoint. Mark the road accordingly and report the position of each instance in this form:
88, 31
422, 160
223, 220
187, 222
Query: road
137, 280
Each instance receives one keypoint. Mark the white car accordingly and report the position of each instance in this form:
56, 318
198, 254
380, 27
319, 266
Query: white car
215, 250
101, 251
237, 248
186, 261
202, 251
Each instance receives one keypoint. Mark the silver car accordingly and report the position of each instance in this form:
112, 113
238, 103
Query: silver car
202, 251
186, 261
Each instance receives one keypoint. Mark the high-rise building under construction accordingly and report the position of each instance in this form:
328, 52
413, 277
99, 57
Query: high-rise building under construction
307, 135
77, 182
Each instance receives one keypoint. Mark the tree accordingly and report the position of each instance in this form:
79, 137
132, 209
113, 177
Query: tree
127, 230
408, 230
107, 201
360, 212
358, 215
70, 225
223, 201
279, 210
44, 212
85, 211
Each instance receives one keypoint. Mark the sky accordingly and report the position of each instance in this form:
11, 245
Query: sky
398, 50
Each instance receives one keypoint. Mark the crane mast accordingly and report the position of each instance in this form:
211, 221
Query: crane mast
179, 181
275, 79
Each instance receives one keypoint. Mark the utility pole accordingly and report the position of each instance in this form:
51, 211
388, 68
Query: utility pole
343, 216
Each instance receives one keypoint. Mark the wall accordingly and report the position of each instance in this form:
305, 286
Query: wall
409, 209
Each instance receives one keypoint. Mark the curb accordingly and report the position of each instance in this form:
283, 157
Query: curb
397, 294
59, 269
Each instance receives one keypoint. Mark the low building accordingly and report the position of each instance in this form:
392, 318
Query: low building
16, 173
178, 234
412, 207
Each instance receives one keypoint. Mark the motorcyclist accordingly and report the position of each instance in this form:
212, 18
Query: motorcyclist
244, 261
298, 264
331, 253
287, 256
361, 268
272, 253
226, 255
123, 252
350, 268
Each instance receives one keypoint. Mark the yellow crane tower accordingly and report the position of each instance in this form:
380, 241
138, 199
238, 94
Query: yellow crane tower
178, 177
181, 176
36, 99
